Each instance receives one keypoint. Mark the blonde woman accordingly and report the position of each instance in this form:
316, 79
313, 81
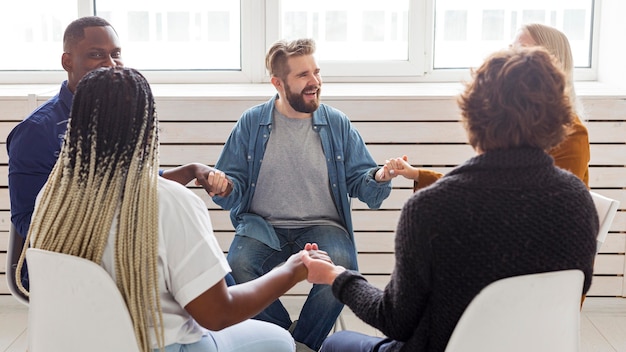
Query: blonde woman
105, 201
573, 153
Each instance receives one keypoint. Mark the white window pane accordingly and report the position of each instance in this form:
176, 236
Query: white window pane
34, 33
479, 27
176, 35
349, 30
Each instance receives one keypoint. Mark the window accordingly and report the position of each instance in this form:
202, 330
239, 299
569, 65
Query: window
30, 38
177, 35
357, 37
477, 28
215, 41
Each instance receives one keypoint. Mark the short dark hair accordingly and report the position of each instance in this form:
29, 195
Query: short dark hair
277, 55
517, 98
75, 31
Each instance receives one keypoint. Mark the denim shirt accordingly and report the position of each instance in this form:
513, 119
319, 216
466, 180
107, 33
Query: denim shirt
350, 166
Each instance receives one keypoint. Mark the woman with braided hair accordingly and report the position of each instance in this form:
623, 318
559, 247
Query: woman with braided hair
105, 201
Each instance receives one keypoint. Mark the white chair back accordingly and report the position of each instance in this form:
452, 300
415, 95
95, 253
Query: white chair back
536, 312
607, 208
75, 306
16, 243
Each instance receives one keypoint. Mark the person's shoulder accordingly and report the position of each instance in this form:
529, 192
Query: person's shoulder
335, 117
44, 113
255, 114
179, 205
440, 193
564, 179
36, 122
577, 132
172, 188
172, 192
428, 194
177, 197
258, 108
332, 111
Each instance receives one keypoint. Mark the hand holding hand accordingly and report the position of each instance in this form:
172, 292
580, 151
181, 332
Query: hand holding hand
321, 269
384, 174
316, 253
295, 264
214, 181
401, 166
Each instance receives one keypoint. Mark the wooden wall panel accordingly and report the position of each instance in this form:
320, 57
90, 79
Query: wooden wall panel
195, 124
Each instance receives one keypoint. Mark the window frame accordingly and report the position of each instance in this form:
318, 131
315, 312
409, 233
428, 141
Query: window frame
258, 32
383, 70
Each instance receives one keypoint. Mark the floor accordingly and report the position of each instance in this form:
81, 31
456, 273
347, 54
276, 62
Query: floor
603, 325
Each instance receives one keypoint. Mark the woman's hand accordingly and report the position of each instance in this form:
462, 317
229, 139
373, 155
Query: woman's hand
295, 264
401, 166
214, 181
321, 269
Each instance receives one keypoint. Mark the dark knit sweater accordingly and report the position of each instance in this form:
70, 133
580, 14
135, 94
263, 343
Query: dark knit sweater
500, 214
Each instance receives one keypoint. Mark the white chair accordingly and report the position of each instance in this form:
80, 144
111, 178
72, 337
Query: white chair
75, 306
16, 243
536, 312
607, 208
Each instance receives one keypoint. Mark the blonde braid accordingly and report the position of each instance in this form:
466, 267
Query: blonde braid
109, 165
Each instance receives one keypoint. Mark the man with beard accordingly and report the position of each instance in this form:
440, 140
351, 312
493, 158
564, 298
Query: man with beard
292, 165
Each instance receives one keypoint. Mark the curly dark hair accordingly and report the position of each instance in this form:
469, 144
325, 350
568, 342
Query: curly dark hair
517, 98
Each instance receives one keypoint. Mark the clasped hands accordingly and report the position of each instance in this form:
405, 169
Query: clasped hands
214, 181
217, 183
320, 268
400, 167
397, 167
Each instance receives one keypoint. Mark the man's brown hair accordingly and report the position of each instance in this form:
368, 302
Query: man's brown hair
277, 55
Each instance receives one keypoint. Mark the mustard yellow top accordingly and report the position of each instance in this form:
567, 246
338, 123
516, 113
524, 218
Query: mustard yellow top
572, 155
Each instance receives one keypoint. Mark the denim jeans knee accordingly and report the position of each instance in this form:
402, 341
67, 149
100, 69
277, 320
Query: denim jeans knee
333, 240
250, 258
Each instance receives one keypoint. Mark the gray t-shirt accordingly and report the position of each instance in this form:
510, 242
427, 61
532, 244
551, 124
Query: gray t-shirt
293, 189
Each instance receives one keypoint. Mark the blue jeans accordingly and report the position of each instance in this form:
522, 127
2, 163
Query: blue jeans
249, 335
249, 259
351, 341
229, 280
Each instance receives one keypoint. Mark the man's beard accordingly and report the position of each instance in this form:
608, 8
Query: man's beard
296, 100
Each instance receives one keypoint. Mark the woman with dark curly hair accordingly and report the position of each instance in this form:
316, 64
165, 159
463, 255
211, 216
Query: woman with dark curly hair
500, 214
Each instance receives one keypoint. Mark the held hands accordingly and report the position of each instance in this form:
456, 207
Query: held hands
384, 174
214, 181
321, 270
401, 166
295, 263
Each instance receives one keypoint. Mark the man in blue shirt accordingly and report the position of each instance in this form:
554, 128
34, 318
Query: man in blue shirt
34, 144
293, 166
